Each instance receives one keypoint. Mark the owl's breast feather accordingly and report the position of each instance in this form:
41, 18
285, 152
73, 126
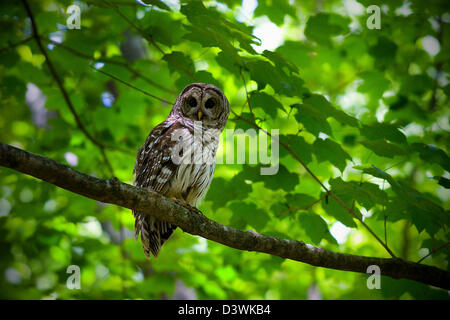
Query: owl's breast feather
195, 171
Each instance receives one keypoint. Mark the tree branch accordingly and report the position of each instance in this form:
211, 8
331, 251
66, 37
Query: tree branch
152, 203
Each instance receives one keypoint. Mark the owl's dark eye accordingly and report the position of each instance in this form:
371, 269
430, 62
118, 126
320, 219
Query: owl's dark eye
192, 102
210, 103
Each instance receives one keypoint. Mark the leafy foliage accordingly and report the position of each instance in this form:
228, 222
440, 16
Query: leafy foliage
365, 110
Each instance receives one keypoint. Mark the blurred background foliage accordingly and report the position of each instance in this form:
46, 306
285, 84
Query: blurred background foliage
366, 109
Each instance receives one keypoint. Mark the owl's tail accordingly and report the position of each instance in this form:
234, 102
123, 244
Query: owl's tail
153, 232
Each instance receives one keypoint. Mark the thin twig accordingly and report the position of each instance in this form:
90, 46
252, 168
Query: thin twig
305, 208
63, 90
112, 61
385, 217
13, 45
133, 87
246, 94
434, 251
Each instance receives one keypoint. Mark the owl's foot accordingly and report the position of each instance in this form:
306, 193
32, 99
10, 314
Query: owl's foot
187, 206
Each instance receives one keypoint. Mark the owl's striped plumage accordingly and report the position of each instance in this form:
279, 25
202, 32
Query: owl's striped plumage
178, 157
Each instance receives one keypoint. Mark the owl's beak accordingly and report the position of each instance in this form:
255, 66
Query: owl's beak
200, 115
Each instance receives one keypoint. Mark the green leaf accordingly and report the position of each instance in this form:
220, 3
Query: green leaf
195, 10
210, 29
283, 179
265, 102
175, 59
280, 61
242, 124
313, 120
395, 210
221, 191
297, 52
232, 62
384, 52
209, 37
299, 200
248, 214
383, 131
279, 209
162, 27
206, 77
432, 154
275, 10
322, 105
374, 84
323, 26
12, 86
263, 73
383, 148
299, 146
328, 150
367, 194
416, 84
376, 172
334, 209
315, 227
243, 35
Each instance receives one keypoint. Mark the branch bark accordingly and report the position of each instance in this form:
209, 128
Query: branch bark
114, 192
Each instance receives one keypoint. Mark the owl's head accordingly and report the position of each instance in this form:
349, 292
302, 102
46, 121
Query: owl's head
203, 102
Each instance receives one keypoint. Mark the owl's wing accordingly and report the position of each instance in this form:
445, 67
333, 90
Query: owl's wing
154, 166
154, 169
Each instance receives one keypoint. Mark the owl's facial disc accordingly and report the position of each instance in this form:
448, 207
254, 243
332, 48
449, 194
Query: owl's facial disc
202, 105
205, 103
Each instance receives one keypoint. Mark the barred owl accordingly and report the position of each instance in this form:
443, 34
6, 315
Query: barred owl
178, 157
